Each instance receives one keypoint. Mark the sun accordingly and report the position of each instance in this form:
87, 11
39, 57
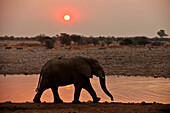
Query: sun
66, 17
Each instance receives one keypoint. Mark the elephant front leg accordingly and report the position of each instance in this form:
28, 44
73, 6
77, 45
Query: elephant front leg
91, 91
77, 94
56, 95
38, 96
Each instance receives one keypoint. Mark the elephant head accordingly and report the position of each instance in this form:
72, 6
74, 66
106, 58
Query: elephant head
89, 67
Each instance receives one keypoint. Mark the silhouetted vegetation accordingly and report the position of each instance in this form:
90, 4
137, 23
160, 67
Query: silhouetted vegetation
49, 43
41, 38
160, 39
76, 38
95, 41
156, 43
18, 38
126, 41
67, 39
142, 40
108, 41
138, 40
161, 33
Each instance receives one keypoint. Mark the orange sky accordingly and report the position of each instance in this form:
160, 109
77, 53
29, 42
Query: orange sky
88, 17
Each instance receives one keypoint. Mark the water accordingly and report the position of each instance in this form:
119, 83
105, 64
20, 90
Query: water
21, 88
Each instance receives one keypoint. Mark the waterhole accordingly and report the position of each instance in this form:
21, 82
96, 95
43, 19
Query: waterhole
21, 88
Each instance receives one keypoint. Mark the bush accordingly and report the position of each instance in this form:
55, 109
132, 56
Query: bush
108, 41
126, 41
102, 44
157, 43
95, 41
89, 40
92, 40
42, 38
65, 39
49, 43
142, 40
82, 41
75, 38
101, 38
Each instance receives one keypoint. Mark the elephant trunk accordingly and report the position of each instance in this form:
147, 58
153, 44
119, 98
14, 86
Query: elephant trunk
103, 85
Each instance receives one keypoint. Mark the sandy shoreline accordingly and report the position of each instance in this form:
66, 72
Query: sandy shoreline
118, 61
85, 107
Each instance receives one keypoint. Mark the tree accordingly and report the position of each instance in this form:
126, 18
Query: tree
12, 38
142, 40
108, 41
161, 33
49, 43
89, 40
126, 41
101, 38
102, 44
157, 43
95, 41
75, 38
41, 38
65, 39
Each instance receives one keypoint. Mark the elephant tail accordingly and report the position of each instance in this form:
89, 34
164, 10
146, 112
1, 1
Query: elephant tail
38, 86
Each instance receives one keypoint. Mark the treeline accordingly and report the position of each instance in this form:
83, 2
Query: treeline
142, 40
68, 39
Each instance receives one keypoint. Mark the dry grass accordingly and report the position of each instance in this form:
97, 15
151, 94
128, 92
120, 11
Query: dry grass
58, 46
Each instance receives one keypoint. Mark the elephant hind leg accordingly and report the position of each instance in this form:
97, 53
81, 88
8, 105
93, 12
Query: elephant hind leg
56, 95
78, 88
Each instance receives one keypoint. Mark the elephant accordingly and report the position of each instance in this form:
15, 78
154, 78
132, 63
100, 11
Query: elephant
65, 71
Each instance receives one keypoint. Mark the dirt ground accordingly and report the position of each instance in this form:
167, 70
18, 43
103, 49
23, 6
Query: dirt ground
116, 60
85, 108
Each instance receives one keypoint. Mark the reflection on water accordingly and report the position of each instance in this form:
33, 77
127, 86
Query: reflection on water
18, 88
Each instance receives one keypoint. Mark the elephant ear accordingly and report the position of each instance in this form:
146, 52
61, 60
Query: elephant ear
83, 68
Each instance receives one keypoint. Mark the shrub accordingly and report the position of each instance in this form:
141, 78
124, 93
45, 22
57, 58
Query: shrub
101, 38
95, 41
42, 38
82, 41
49, 44
126, 41
89, 40
108, 41
102, 44
92, 40
65, 39
157, 43
142, 40
75, 38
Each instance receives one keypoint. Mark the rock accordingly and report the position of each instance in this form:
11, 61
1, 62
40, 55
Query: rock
8, 102
89, 101
44, 102
27, 102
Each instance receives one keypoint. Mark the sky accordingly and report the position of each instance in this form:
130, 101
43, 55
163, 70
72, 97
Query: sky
88, 17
